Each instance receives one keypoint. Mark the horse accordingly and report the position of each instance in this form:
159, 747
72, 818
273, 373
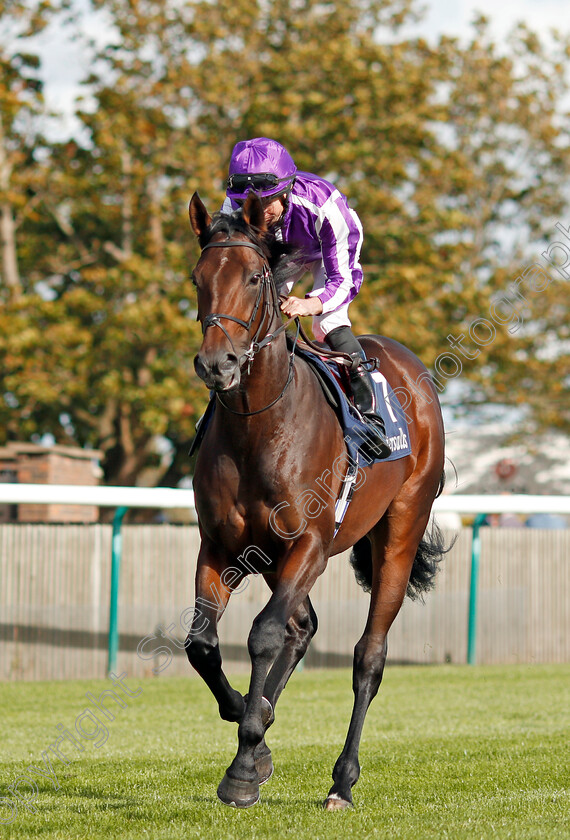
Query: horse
272, 436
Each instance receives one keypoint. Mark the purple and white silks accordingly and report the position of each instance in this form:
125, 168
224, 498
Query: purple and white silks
320, 224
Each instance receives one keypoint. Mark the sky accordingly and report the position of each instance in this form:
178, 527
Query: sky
453, 17
64, 63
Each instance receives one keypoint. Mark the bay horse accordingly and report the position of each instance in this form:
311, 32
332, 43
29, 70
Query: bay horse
272, 436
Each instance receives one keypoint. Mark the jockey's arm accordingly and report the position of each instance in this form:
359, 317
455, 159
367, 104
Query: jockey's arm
340, 236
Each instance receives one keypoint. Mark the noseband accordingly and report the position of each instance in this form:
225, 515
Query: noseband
266, 287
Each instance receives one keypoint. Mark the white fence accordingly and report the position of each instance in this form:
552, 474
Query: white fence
168, 497
55, 598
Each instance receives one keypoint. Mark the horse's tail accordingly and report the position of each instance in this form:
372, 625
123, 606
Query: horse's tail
429, 554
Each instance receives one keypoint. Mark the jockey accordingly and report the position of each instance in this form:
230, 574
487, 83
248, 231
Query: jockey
314, 217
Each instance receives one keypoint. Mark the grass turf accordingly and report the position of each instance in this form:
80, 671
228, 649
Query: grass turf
447, 752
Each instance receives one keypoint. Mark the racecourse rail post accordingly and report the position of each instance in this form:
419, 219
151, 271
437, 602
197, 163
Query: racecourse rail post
116, 556
474, 588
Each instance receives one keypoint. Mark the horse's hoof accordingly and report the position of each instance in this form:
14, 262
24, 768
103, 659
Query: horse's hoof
238, 794
335, 802
264, 767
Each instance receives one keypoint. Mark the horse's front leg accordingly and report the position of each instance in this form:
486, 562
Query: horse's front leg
202, 643
300, 629
304, 562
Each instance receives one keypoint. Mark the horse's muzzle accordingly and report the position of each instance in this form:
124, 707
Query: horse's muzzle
219, 371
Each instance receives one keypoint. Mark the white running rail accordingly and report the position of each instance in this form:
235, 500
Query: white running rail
169, 497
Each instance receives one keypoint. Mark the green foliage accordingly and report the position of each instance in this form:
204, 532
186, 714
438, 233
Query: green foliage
455, 157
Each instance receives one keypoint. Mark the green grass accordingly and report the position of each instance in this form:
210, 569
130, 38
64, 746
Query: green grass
447, 752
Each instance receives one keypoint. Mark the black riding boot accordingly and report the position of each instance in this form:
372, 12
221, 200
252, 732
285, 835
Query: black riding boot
361, 382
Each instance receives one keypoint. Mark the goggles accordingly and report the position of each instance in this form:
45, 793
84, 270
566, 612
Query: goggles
258, 181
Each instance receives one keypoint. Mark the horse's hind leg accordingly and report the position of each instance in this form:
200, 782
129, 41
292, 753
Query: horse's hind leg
394, 544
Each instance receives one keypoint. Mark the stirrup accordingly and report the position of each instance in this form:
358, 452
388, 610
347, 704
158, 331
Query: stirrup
379, 444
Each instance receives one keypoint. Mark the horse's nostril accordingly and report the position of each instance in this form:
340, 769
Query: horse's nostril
217, 372
199, 366
228, 364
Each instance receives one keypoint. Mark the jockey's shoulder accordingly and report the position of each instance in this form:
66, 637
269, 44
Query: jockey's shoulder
313, 187
310, 189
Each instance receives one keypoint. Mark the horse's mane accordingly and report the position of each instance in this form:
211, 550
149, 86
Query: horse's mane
284, 260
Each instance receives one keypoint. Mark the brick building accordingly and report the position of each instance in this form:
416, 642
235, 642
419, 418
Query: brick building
28, 463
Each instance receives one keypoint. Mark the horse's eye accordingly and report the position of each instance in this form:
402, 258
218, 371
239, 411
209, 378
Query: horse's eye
255, 279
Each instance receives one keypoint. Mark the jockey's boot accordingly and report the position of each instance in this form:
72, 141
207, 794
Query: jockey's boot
362, 384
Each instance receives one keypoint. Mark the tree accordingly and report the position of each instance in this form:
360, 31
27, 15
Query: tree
20, 103
99, 358
447, 152
505, 183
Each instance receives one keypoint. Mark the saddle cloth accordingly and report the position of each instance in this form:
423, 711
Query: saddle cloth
356, 431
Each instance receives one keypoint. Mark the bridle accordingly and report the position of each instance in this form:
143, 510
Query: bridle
266, 294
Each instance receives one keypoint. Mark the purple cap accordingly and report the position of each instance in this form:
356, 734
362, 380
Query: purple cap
262, 165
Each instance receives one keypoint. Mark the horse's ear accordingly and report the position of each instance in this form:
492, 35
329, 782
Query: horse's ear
200, 219
252, 212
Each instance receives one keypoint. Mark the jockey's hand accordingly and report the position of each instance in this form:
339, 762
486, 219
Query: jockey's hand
294, 306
